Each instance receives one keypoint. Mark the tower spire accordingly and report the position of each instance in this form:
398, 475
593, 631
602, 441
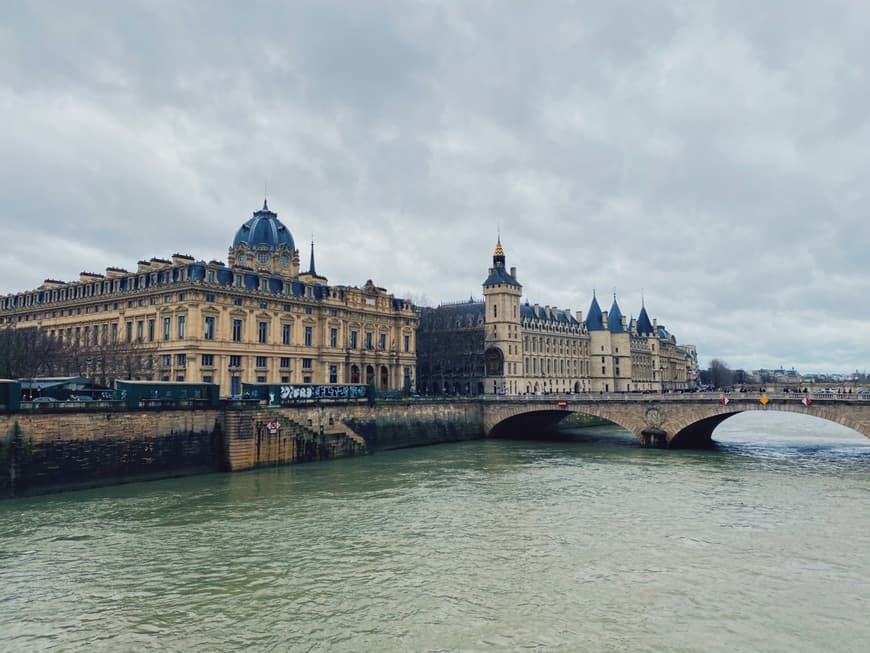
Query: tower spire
311, 269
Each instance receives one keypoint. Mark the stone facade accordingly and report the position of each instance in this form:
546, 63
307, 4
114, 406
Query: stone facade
503, 346
256, 319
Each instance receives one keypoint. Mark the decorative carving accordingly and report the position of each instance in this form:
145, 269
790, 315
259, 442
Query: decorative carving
653, 418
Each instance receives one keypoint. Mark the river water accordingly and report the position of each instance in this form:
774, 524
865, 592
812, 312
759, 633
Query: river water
587, 545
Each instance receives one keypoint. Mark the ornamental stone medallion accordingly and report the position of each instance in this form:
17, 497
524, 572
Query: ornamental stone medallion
653, 418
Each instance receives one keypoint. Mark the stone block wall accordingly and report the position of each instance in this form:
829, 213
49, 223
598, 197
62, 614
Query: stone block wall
42, 452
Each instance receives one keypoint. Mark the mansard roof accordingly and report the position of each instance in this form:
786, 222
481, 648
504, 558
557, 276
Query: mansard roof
529, 312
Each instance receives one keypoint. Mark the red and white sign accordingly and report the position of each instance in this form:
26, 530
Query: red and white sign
563, 404
724, 401
806, 401
273, 426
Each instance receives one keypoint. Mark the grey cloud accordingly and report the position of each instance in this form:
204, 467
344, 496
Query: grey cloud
711, 153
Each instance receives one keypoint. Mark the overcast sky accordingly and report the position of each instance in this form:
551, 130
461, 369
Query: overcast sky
714, 156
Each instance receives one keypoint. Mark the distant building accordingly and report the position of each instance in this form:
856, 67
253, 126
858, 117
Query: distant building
256, 319
502, 345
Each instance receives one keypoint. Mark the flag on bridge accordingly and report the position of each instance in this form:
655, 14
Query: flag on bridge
724, 401
806, 401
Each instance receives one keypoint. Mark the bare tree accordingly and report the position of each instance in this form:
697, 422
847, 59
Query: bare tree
721, 376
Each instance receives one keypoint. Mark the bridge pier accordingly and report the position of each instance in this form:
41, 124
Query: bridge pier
653, 438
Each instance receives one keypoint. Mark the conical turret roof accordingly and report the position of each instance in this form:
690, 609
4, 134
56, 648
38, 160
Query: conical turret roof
594, 321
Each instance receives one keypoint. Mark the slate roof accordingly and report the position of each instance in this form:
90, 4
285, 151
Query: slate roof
529, 312
499, 275
614, 318
264, 228
644, 325
594, 317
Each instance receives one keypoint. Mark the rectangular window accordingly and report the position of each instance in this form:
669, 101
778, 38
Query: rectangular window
235, 361
262, 332
114, 333
308, 309
309, 332
333, 337
285, 334
181, 322
261, 379
333, 312
285, 379
167, 327
167, 360
150, 330
306, 379
208, 360
181, 360
285, 363
237, 330
333, 373
261, 361
180, 378
237, 301
354, 335
167, 299
207, 378
368, 339
382, 341
129, 332
140, 330
407, 343
209, 328
306, 363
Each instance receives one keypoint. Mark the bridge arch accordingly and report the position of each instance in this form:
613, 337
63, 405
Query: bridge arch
520, 420
699, 434
684, 421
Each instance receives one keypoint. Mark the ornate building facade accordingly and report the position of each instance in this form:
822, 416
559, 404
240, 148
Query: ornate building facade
503, 346
256, 319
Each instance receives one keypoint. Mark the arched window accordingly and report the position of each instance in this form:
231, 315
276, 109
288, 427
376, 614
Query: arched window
354, 374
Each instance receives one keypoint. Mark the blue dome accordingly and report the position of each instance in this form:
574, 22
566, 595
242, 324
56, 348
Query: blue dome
264, 229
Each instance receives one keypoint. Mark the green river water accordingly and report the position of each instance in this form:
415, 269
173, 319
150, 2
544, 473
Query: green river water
589, 545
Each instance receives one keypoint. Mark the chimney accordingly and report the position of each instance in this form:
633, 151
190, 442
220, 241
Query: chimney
514, 272
604, 318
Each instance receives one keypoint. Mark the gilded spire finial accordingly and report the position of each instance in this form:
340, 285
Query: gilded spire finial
498, 248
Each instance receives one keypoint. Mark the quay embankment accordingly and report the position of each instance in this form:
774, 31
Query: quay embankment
68, 447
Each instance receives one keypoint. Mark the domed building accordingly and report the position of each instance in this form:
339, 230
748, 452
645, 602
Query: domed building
255, 319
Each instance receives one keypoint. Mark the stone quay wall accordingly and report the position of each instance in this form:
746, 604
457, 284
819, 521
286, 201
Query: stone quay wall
67, 449
49, 451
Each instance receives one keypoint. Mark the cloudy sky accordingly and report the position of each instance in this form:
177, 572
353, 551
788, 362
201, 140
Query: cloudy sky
714, 156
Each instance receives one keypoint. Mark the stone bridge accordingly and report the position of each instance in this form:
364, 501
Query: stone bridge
668, 420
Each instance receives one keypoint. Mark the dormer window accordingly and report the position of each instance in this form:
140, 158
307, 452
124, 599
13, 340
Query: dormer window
241, 259
285, 260
263, 257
